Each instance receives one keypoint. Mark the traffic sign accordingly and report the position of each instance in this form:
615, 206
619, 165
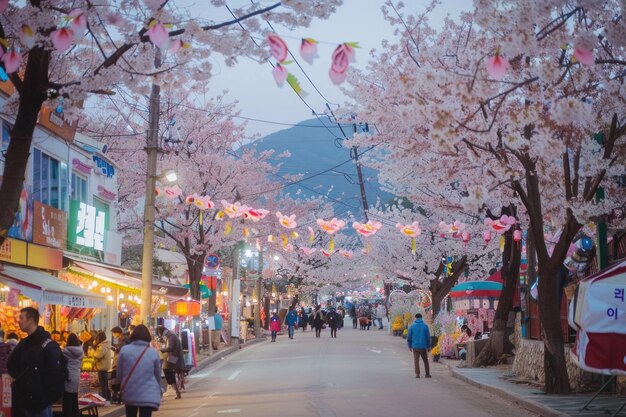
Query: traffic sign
212, 261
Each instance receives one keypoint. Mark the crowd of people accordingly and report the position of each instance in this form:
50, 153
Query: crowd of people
46, 367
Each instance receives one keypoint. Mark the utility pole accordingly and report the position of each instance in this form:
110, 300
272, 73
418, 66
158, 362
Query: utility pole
152, 145
354, 152
257, 308
236, 285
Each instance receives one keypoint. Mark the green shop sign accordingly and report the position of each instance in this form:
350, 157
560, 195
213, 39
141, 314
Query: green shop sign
86, 226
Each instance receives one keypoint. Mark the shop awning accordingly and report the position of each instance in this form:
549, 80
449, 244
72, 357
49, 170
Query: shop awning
476, 289
44, 288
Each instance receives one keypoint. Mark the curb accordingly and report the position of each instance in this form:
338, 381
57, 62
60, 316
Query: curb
221, 355
528, 404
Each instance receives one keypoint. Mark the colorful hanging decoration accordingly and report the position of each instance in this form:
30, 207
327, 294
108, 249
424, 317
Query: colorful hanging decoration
158, 192
203, 202
411, 230
307, 251
348, 254
175, 191
78, 20
340, 61
331, 226
177, 45
497, 66
326, 253
288, 222
232, 210
228, 228
367, 229
487, 236
455, 229
308, 50
278, 47
12, 61
27, 36
158, 34
501, 225
280, 74
255, 214
62, 39
311, 235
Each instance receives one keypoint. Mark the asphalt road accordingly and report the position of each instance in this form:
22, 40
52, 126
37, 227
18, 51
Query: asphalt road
360, 373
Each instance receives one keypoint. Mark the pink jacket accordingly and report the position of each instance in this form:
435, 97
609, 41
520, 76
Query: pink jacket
275, 324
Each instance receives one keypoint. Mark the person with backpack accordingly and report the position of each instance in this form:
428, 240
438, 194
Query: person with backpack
139, 372
102, 355
173, 357
333, 322
38, 368
318, 321
73, 353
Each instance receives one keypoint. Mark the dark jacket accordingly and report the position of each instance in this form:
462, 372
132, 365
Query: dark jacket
318, 319
304, 318
38, 370
174, 349
333, 319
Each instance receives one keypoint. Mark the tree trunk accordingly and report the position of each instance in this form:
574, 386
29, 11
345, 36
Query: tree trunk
440, 287
511, 258
32, 97
194, 264
557, 380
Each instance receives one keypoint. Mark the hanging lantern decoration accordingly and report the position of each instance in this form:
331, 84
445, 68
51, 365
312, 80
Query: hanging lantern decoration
517, 235
185, 308
487, 236
501, 225
411, 230
466, 237
331, 227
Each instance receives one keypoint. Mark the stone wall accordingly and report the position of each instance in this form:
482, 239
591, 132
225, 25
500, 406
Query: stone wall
528, 363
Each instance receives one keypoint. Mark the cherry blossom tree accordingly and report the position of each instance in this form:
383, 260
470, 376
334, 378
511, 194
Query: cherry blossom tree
60, 53
503, 106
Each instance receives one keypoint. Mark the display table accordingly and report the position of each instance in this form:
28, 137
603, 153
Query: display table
90, 410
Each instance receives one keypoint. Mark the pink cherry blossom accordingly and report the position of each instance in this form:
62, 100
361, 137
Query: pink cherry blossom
62, 39
584, 56
12, 61
308, 50
158, 34
280, 74
497, 66
367, 229
79, 23
278, 47
341, 58
27, 37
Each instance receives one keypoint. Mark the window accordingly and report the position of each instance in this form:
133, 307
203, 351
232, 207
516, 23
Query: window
49, 180
79, 188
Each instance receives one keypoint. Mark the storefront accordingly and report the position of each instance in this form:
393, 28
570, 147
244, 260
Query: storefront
62, 305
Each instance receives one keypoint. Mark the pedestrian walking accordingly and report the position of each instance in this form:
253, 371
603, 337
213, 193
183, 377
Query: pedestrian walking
74, 354
418, 340
381, 312
291, 320
121, 339
173, 361
318, 321
355, 318
303, 318
333, 322
216, 333
139, 369
274, 325
37, 367
103, 359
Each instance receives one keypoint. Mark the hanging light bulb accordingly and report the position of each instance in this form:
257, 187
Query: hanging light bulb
121, 296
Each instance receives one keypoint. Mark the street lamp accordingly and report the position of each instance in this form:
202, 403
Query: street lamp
169, 175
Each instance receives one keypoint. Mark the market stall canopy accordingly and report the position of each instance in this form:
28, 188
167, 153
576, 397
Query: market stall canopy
44, 288
476, 289
598, 313
497, 277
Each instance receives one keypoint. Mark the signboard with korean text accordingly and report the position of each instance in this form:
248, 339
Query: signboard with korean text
86, 226
13, 251
57, 123
49, 226
72, 300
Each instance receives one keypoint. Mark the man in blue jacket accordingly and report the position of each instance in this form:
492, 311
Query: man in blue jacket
419, 343
291, 320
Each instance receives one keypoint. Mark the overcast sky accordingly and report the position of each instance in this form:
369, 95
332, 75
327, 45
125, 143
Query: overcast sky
253, 86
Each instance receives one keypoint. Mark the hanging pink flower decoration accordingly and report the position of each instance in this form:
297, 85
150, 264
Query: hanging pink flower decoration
311, 235
158, 34
487, 236
79, 23
233, 210
367, 229
348, 254
288, 222
331, 226
340, 61
12, 61
517, 235
365, 251
173, 192
308, 50
255, 214
326, 253
288, 248
177, 45
158, 192
280, 74
3, 5
497, 66
410, 230
455, 229
466, 237
191, 199
307, 251
584, 56
62, 39
501, 225
27, 37
278, 47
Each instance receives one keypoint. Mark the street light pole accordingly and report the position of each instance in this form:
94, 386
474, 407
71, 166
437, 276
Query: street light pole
257, 308
152, 145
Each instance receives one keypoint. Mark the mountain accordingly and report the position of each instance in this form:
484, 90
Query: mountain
316, 152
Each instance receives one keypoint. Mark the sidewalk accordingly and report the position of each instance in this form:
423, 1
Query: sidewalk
499, 382
203, 360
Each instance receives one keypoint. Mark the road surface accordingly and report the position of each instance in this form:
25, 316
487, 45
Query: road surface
360, 373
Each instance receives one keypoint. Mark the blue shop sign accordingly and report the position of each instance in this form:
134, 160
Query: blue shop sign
103, 167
